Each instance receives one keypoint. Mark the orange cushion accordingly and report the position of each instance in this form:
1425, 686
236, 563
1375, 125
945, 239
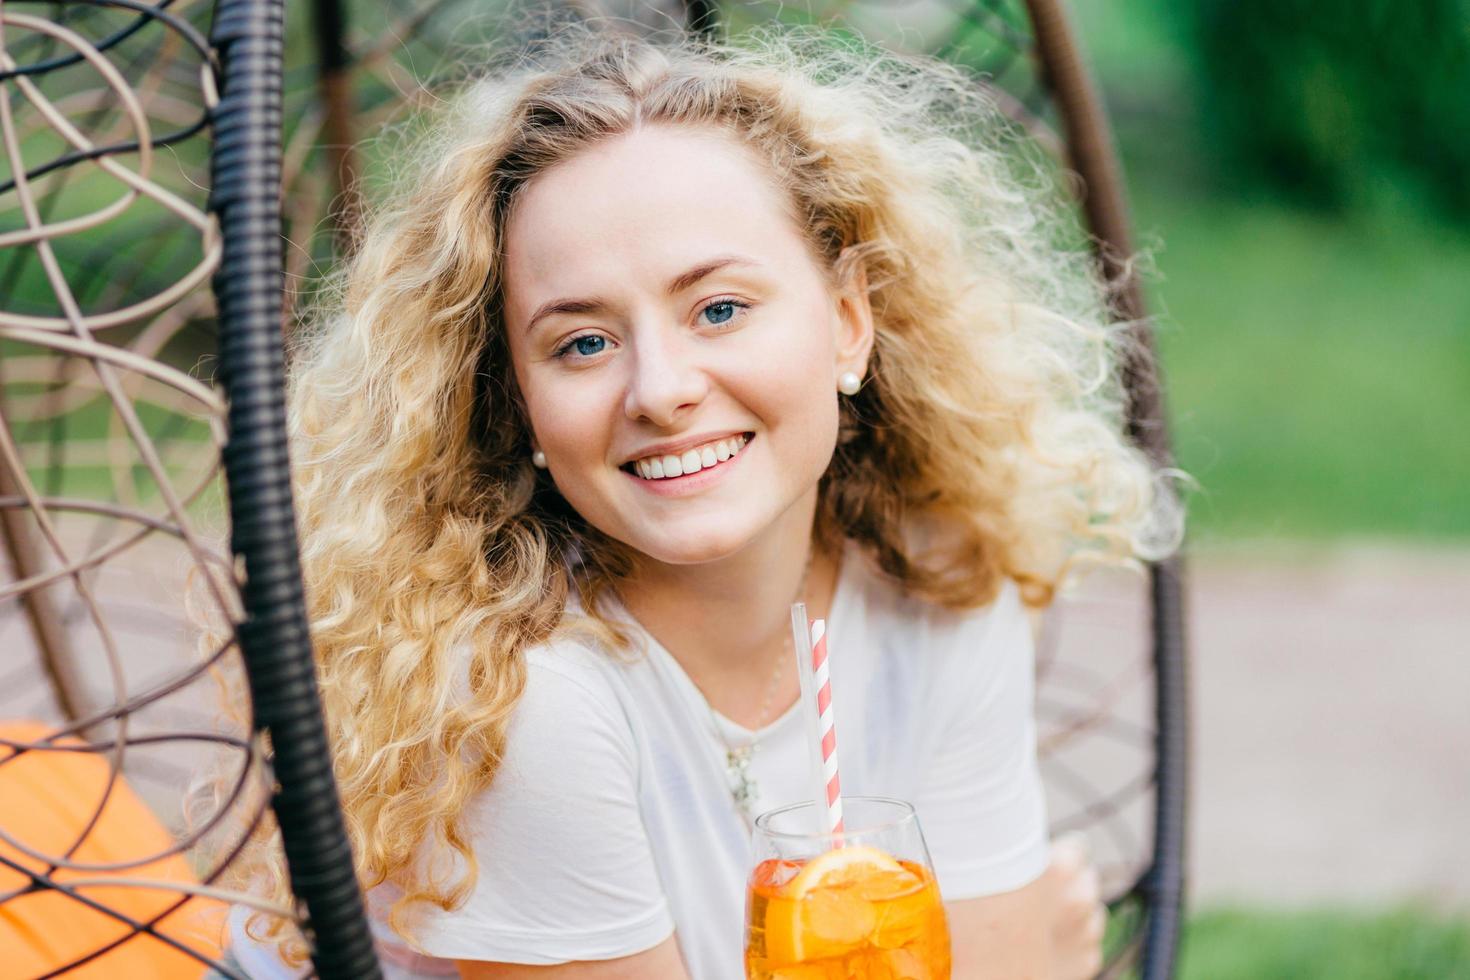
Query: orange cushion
49, 797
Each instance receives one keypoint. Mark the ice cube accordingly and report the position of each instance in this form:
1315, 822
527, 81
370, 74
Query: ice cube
903, 920
838, 917
905, 964
884, 885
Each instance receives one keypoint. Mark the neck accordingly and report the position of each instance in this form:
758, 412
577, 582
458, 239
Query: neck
727, 621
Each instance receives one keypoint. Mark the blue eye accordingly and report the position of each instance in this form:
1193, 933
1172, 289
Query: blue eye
722, 311
587, 345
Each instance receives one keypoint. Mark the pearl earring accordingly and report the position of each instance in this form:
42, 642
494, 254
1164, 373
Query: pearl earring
849, 383
538, 460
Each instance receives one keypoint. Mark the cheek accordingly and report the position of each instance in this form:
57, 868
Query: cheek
821, 426
574, 428
561, 406
570, 417
801, 410
802, 379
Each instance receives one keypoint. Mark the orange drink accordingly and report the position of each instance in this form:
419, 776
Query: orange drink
850, 912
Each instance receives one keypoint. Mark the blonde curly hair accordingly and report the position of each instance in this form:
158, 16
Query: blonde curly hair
987, 443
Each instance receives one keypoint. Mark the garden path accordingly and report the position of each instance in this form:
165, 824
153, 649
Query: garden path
1332, 726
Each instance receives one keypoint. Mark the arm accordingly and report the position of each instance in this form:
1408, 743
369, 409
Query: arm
1061, 912
982, 804
661, 961
1002, 937
1051, 927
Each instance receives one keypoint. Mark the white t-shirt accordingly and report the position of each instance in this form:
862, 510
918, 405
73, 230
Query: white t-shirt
611, 824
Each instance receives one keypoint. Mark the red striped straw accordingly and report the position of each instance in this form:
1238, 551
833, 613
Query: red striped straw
810, 636
826, 726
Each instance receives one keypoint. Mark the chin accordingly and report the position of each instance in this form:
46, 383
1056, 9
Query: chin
677, 548
693, 553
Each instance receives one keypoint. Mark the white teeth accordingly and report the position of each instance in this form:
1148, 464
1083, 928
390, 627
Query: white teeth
691, 461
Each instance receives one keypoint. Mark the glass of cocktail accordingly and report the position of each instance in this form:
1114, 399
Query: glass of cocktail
858, 904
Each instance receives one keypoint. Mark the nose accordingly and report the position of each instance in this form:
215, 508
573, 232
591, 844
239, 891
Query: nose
666, 380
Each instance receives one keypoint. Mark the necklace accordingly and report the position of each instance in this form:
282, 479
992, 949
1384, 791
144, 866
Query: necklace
742, 785
743, 788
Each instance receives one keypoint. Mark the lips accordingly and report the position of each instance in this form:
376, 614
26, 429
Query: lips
664, 466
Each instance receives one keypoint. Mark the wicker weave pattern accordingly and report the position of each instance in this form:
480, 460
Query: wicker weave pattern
109, 447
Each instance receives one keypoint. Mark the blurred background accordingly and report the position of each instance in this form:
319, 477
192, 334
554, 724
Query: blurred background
1297, 173
1298, 177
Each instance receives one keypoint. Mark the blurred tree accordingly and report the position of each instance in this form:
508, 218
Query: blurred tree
1332, 102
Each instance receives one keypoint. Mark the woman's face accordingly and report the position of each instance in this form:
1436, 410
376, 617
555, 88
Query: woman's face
663, 312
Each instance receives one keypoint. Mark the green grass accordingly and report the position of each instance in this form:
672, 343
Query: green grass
1318, 368
1318, 365
1404, 944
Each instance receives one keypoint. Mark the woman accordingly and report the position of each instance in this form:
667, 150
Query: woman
655, 340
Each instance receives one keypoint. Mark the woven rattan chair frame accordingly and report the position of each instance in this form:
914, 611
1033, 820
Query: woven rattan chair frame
236, 92
1091, 154
1037, 76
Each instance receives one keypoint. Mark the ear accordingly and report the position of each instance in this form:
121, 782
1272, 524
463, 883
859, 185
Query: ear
854, 324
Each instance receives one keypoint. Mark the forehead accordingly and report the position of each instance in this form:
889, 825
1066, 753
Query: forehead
642, 207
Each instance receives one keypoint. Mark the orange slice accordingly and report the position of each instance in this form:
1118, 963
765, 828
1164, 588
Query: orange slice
824, 911
843, 866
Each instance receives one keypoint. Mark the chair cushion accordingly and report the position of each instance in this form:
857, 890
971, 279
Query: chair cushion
49, 798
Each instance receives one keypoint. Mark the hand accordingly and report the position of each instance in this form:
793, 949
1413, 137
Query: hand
1078, 915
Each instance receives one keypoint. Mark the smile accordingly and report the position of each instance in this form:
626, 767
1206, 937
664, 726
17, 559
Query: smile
704, 457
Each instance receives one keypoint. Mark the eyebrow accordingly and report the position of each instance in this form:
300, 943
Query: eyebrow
676, 285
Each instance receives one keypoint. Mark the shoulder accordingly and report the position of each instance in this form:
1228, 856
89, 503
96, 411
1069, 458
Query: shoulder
1001, 623
986, 621
996, 633
569, 670
573, 700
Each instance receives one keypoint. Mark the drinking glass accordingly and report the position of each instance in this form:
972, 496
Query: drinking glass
862, 904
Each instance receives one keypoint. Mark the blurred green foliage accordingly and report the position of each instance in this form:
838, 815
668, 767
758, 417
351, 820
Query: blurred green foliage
1318, 366
1405, 944
1317, 361
1333, 102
